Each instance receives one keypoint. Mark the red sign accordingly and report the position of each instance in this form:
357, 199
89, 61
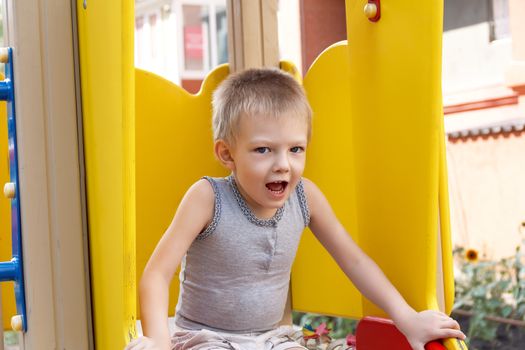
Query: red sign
193, 42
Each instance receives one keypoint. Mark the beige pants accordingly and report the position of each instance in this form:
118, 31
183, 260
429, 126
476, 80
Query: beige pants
277, 339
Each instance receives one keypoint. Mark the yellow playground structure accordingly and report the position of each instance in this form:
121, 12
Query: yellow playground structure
105, 152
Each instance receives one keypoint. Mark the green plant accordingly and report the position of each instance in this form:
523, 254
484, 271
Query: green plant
492, 292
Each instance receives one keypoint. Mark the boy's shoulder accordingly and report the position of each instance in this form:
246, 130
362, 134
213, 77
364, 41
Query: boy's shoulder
309, 186
314, 196
202, 191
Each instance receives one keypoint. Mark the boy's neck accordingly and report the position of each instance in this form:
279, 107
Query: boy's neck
259, 212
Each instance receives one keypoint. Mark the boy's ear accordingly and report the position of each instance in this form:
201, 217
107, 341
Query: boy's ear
223, 154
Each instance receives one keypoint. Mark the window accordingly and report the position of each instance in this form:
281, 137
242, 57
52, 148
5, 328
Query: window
499, 21
203, 36
464, 13
180, 39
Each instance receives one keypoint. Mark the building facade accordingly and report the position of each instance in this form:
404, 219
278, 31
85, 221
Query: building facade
484, 109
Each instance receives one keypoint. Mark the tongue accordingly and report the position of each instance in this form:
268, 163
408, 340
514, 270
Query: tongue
275, 186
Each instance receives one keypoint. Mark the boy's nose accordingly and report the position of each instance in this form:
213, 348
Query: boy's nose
281, 164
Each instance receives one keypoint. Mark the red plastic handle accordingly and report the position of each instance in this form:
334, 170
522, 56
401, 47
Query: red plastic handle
435, 345
375, 333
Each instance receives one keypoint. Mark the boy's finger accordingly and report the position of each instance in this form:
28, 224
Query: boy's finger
451, 333
450, 323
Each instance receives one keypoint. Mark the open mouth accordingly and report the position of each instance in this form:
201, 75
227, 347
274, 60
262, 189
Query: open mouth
277, 187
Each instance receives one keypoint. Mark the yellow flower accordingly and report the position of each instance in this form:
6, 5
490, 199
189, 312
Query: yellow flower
471, 255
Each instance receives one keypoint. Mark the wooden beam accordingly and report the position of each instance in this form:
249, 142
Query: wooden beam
252, 39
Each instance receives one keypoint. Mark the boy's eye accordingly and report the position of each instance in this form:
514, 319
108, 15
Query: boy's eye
262, 150
296, 149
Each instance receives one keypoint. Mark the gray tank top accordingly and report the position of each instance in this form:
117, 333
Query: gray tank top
236, 273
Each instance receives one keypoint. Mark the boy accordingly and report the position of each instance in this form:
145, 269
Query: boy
237, 236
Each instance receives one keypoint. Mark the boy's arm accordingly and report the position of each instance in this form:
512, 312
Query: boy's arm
419, 328
194, 213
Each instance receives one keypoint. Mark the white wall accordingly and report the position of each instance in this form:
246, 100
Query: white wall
487, 193
471, 62
289, 31
156, 46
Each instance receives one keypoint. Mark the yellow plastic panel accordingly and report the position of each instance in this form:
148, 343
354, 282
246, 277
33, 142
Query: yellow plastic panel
107, 77
318, 285
290, 68
446, 236
395, 106
174, 149
8, 293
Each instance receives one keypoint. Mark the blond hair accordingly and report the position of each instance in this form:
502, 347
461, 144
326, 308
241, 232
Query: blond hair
261, 92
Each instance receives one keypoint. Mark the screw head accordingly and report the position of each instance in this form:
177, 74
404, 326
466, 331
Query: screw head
9, 190
4, 55
370, 10
17, 323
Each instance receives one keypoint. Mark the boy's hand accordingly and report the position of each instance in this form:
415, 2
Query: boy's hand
423, 327
141, 343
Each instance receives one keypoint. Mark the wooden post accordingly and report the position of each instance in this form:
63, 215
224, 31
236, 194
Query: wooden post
252, 29
53, 230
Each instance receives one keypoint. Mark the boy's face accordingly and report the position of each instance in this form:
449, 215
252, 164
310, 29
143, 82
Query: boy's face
268, 160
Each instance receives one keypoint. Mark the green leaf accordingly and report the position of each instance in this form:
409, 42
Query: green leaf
506, 311
479, 291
